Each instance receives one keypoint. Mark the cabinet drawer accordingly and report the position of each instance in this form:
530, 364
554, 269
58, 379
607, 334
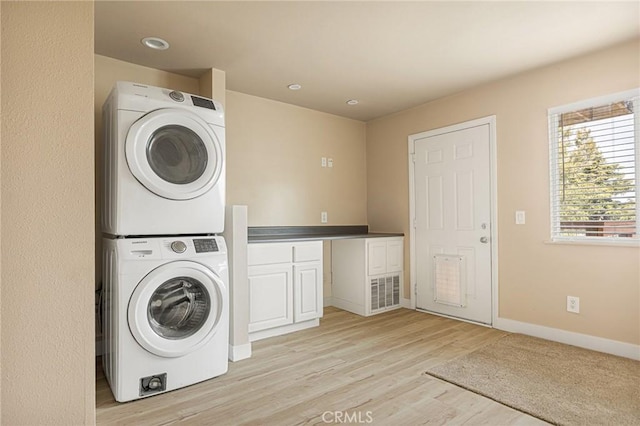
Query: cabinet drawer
306, 252
269, 253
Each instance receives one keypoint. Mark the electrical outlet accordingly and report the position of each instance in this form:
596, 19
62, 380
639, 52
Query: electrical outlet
323, 217
323, 161
573, 304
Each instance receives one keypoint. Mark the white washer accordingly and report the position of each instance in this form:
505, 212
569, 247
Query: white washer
165, 315
164, 162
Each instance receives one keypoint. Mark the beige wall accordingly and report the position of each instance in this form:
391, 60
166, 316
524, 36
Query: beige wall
48, 361
534, 276
0, 216
273, 153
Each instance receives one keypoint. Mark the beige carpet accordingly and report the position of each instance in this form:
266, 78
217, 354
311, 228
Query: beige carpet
558, 383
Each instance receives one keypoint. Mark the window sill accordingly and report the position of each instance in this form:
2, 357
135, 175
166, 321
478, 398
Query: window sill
592, 242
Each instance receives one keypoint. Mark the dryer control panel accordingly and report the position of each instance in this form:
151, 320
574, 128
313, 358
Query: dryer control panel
205, 245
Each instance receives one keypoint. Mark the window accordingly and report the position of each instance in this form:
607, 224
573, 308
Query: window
594, 163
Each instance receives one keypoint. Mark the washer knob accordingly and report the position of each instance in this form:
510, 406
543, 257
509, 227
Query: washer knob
176, 96
178, 246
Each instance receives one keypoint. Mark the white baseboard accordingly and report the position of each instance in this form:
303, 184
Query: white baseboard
285, 329
347, 305
406, 303
327, 301
586, 341
239, 352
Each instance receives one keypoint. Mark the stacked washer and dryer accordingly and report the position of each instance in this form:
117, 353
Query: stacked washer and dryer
165, 314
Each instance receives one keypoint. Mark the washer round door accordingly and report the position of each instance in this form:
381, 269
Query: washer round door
174, 153
176, 308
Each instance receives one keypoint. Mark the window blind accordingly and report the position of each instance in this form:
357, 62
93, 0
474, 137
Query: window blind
594, 169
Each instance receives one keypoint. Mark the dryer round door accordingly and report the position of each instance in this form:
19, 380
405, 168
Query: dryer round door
174, 153
176, 308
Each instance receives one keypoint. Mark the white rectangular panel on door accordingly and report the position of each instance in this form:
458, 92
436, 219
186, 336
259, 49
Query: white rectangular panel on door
395, 257
307, 291
271, 296
377, 261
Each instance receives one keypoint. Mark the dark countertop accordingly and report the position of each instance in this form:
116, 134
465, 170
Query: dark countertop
271, 234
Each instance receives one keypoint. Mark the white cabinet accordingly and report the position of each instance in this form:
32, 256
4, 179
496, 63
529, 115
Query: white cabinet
285, 287
367, 274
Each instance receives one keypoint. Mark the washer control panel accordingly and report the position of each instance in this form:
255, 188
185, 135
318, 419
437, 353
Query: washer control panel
205, 245
177, 247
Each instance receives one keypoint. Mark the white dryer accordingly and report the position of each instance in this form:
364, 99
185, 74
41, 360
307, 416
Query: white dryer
165, 316
164, 162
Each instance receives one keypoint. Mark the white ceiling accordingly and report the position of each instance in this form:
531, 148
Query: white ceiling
389, 55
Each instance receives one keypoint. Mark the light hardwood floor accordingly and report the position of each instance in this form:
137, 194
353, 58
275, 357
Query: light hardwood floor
368, 370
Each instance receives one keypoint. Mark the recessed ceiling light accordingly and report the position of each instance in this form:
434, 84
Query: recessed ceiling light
353, 102
155, 43
294, 86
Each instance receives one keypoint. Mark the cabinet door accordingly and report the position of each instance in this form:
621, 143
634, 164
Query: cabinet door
395, 250
307, 291
270, 296
377, 257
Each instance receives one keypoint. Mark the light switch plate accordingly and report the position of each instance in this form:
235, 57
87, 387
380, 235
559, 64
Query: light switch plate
520, 217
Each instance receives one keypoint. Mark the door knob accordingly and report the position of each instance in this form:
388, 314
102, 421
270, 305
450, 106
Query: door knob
484, 240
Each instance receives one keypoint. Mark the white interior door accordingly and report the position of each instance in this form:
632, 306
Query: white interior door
452, 184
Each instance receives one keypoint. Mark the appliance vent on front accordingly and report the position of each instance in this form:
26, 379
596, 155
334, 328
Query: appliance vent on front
385, 292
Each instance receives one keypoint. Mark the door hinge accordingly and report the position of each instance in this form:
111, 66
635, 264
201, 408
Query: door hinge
415, 289
415, 223
413, 158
